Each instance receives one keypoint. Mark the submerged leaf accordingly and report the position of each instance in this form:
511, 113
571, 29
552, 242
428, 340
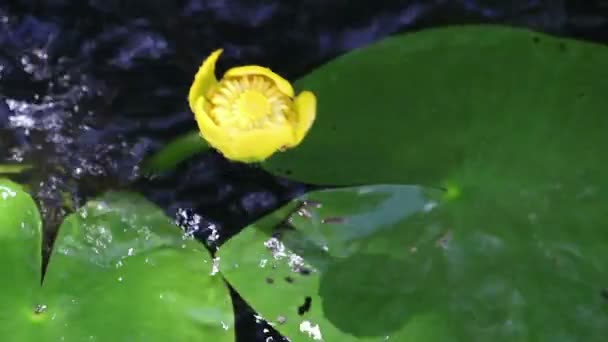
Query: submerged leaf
406, 265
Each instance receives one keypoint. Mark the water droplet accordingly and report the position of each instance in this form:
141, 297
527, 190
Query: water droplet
279, 252
444, 240
215, 268
7, 193
214, 235
429, 206
259, 318
225, 325
40, 308
312, 330
334, 220
276, 247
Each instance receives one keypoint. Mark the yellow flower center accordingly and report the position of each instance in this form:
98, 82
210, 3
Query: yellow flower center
254, 104
249, 102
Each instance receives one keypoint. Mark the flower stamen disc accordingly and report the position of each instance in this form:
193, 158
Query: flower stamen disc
249, 102
253, 104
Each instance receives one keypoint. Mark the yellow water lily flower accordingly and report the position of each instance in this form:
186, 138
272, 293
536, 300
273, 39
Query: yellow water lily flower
251, 112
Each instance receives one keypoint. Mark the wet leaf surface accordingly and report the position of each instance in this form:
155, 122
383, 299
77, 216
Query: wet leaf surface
420, 267
120, 270
20, 249
482, 105
511, 125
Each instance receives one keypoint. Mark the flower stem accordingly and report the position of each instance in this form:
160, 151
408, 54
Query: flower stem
175, 152
13, 168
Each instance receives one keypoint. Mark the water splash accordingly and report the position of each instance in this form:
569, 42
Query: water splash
195, 226
215, 268
279, 252
98, 238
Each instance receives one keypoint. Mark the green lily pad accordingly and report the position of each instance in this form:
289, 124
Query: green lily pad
120, 271
20, 252
405, 263
512, 125
472, 105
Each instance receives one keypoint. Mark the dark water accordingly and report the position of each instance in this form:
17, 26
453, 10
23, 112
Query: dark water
89, 88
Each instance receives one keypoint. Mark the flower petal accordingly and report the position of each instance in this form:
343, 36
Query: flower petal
213, 134
256, 145
205, 78
306, 110
281, 83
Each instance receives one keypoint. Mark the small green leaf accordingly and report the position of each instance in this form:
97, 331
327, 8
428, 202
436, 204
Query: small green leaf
411, 264
120, 271
20, 252
120, 262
